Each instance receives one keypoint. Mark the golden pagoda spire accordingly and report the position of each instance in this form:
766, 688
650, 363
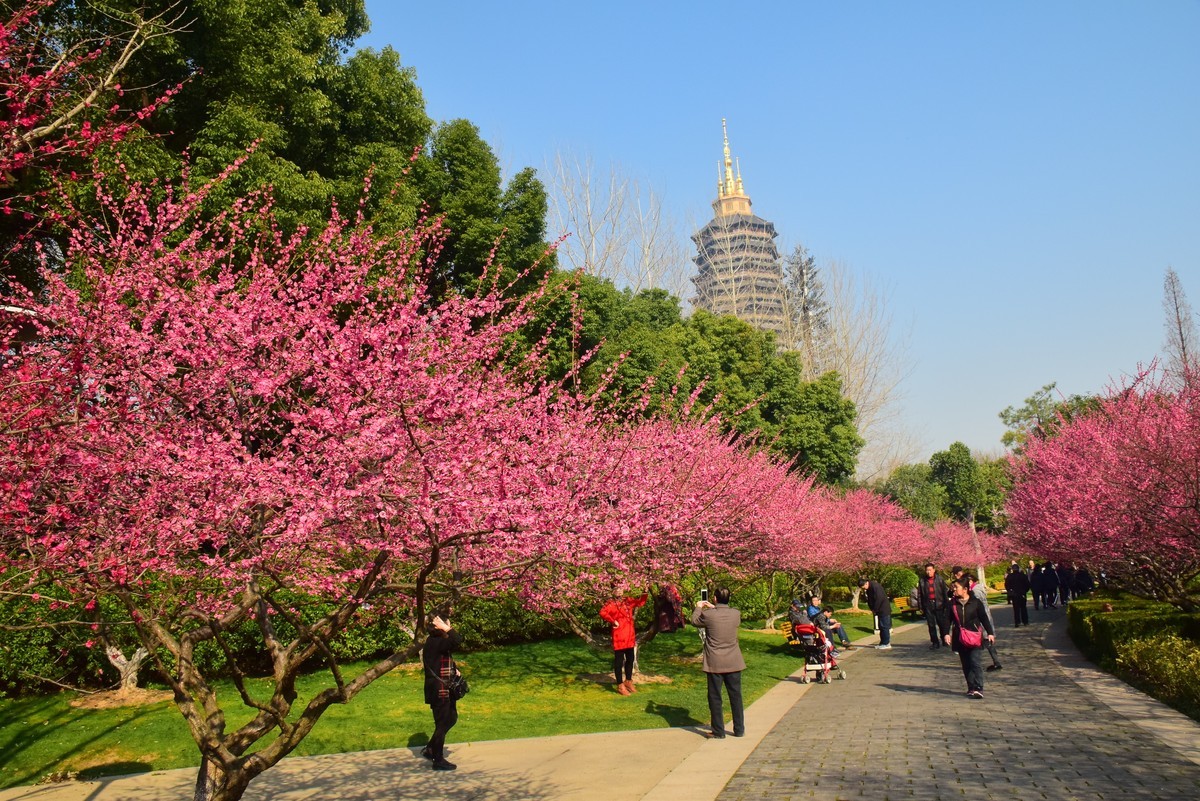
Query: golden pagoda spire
731, 197
728, 187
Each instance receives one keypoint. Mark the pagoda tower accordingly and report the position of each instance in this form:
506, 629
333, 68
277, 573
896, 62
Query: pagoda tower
739, 269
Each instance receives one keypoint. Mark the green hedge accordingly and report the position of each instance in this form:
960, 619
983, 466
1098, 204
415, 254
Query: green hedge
1167, 667
1151, 645
1098, 633
34, 660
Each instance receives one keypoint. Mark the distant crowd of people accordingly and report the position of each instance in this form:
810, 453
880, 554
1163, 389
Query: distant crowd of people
1053, 584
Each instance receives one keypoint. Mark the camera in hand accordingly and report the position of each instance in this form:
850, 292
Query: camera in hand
704, 594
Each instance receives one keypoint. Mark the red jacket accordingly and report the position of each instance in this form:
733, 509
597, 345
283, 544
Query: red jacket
620, 614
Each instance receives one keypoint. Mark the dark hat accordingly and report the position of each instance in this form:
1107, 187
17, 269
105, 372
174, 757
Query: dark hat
796, 602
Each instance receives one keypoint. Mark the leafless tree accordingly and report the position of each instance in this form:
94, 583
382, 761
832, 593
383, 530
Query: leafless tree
861, 342
1180, 324
618, 229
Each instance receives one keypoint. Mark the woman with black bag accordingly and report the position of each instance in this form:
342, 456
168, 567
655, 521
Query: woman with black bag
968, 622
440, 681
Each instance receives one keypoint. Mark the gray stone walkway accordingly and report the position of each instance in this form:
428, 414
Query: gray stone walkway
902, 728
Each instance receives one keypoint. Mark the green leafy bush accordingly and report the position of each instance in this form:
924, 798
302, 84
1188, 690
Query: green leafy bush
63, 651
1152, 645
898, 581
836, 594
1166, 666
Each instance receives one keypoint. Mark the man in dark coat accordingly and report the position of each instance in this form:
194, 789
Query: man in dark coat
1049, 578
1017, 586
1032, 575
932, 595
1066, 581
1083, 583
881, 606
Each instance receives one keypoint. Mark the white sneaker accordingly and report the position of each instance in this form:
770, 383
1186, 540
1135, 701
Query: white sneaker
883, 647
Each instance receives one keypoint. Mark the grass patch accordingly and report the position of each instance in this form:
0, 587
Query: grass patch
517, 691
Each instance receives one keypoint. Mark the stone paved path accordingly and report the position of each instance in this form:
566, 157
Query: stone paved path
901, 728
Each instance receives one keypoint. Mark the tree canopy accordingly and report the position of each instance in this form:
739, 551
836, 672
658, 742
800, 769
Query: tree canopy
280, 77
641, 340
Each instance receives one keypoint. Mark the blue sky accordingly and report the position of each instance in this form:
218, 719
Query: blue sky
1017, 176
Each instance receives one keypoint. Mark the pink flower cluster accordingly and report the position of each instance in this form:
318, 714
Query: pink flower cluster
1118, 489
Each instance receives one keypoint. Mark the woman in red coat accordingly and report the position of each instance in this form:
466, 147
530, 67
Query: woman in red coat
620, 614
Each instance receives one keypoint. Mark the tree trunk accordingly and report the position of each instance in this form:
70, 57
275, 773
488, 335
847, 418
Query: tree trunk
128, 668
978, 550
854, 596
214, 783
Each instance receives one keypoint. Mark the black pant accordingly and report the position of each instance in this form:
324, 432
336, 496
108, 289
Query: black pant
445, 715
972, 667
623, 660
716, 714
936, 620
1020, 610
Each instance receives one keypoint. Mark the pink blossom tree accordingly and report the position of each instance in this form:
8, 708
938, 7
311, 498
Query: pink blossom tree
214, 425
1118, 489
213, 421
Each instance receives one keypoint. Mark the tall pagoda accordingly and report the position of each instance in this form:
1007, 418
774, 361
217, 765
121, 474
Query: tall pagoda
739, 269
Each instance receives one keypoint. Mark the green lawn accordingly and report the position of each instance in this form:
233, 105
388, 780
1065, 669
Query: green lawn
516, 691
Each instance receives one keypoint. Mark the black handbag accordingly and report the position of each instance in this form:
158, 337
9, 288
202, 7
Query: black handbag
457, 685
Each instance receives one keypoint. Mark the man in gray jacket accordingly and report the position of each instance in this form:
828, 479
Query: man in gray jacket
723, 660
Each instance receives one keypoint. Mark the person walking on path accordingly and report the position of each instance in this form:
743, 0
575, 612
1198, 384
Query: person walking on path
881, 606
1049, 586
1034, 584
932, 595
619, 613
439, 671
968, 622
1017, 587
980, 594
723, 662
1066, 583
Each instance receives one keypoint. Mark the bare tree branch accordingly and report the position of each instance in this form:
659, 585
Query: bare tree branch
1180, 324
618, 228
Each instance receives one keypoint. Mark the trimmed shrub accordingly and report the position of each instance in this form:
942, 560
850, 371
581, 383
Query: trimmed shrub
837, 594
486, 622
898, 581
1098, 633
1167, 667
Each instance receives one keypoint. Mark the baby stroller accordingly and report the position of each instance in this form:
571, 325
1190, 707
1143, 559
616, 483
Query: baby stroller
818, 654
